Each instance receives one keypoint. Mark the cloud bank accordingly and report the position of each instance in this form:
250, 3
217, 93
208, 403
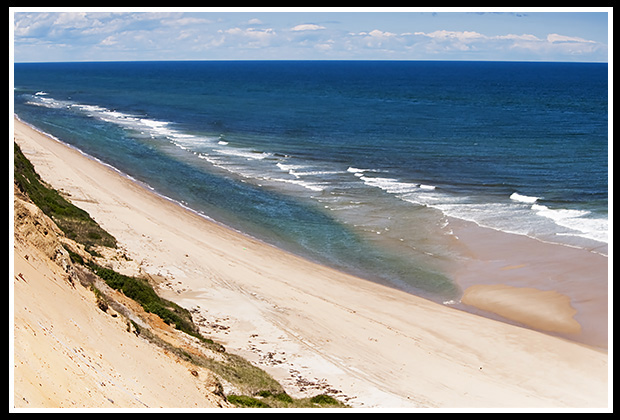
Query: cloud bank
81, 36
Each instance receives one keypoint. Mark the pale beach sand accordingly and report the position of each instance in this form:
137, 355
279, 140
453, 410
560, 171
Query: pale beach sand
311, 326
67, 353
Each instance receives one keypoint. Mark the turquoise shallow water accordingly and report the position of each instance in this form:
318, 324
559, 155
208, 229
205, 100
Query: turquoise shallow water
353, 164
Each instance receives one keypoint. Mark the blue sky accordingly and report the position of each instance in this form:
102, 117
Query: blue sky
118, 34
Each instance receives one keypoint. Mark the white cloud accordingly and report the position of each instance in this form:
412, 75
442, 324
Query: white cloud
109, 41
185, 21
75, 20
562, 38
250, 32
551, 47
523, 37
554, 45
441, 41
32, 24
380, 34
247, 38
463, 36
307, 27
376, 39
375, 33
326, 46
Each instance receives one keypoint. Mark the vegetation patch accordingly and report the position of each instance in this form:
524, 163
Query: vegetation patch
73, 221
324, 399
267, 399
245, 401
142, 292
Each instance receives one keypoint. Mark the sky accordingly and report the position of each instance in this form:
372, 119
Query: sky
133, 34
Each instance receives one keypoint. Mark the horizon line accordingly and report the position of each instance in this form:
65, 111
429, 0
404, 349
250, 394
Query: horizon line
309, 59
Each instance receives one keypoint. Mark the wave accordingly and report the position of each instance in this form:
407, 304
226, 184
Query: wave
390, 185
356, 170
359, 172
154, 128
245, 154
523, 198
395, 186
41, 99
303, 170
536, 220
577, 220
312, 186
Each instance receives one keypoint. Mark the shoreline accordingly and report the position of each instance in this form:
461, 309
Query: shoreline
483, 262
379, 346
553, 288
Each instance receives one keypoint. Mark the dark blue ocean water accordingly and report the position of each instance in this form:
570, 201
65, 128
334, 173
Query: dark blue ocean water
354, 164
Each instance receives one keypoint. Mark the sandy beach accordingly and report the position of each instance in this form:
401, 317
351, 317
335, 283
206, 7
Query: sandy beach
314, 328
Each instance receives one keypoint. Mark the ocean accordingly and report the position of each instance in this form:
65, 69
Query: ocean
358, 165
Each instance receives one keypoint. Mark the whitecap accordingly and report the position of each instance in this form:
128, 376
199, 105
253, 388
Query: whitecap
390, 185
360, 170
247, 154
558, 214
291, 169
313, 186
577, 220
523, 198
47, 102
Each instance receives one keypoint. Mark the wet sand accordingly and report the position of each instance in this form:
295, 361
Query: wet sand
549, 287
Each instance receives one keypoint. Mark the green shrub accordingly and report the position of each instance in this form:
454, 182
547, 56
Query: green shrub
284, 397
281, 396
142, 292
324, 399
245, 401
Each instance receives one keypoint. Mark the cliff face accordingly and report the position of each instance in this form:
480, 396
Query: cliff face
39, 231
68, 351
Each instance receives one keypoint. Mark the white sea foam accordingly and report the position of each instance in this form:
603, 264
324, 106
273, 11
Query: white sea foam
243, 153
313, 186
512, 216
577, 220
146, 126
299, 171
523, 198
390, 185
360, 171
559, 214
154, 128
47, 102
291, 169
409, 191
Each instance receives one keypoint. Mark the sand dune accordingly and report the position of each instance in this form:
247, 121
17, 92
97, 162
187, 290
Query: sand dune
67, 353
